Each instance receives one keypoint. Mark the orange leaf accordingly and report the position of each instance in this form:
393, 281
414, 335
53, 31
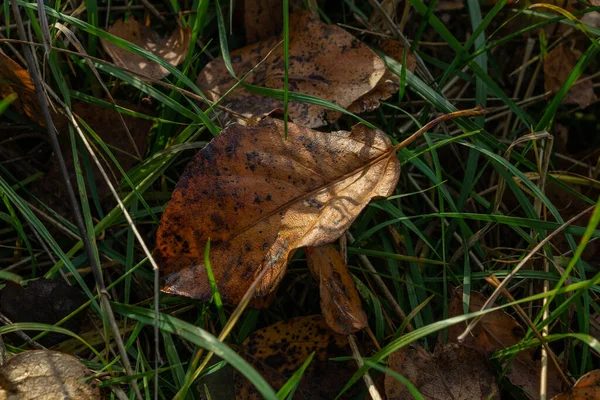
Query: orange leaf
340, 303
325, 61
172, 49
258, 197
452, 372
14, 79
586, 388
277, 351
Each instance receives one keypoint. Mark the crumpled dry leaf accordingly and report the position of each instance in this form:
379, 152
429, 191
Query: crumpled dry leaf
389, 83
278, 350
586, 388
259, 196
325, 62
496, 331
340, 302
558, 65
592, 18
15, 79
172, 49
451, 372
46, 375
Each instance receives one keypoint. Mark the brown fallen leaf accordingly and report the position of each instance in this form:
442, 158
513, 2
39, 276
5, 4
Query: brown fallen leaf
389, 83
46, 375
586, 388
259, 196
278, 350
325, 61
262, 19
43, 300
172, 49
340, 302
15, 79
451, 372
496, 331
558, 65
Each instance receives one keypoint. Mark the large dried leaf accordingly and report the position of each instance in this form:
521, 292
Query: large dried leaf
340, 302
172, 49
277, 351
452, 372
259, 196
496, 331
325, 61
46, 375
558, 65
586, 388
15, 79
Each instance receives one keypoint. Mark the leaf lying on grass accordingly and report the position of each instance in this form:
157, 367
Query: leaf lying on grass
278, 350
496, 331
258, 197
325, 62
46, 375
451, 372
558, 65
15, 79
586, 388
262, 19
340, 302
172, 49
45, 301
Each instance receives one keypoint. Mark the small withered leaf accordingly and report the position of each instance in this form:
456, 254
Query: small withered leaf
558, 65
278, 350
172, 49
340, 302
15, 79
586, 388
496, 331
451, 372
259, 196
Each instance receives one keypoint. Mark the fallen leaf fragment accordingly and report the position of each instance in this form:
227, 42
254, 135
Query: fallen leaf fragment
278, 350
496, 331
262, 19
340, 302
325, 61
259, 196
15, 79
586, 388
172, 49
558, 65
451, 372
389, 82
46, 375
45, 301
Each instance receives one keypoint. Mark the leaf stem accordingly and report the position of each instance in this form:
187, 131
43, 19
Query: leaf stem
473, 112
